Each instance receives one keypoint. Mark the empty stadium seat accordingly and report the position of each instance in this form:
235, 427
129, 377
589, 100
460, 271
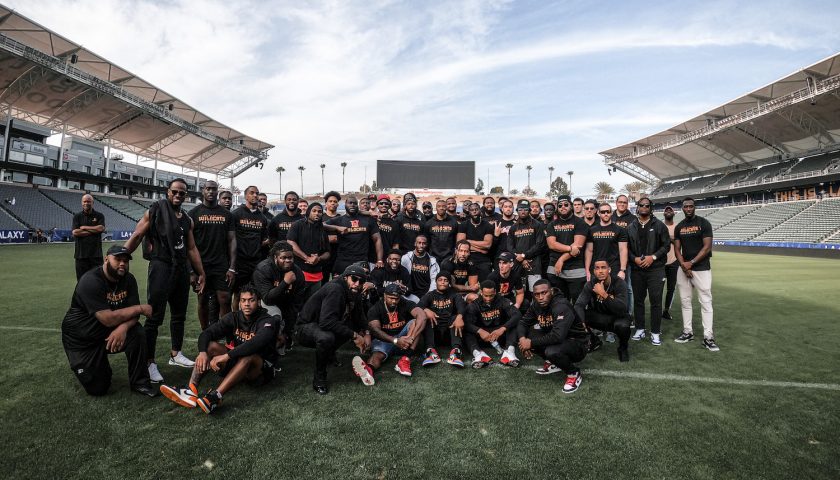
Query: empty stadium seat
72, 201
129, 208
812, 225
34, 209
760, 220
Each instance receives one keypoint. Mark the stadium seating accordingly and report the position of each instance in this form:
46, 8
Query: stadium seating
33, 209
8, 222
760, 220
726, 215
768, 171
697, 185
729, 179
817, 163
811, 226
130, 209
72, 201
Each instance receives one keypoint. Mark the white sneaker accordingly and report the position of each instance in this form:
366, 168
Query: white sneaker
609, 337
154, 373
640, 334
548, 368
655, 340
180, 360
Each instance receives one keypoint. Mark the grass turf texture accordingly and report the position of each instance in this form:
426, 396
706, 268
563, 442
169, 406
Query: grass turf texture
775, 318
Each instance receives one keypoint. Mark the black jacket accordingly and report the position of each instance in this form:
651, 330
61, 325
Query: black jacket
255, 336
615, 304
274, 291
327, 307
558, 320
658, 243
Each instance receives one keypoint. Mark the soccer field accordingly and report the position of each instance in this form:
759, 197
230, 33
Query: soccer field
766, 406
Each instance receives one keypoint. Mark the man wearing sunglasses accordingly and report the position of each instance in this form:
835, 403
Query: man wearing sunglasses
169, 244
648, 242
330, 318
590, 212
566, 239
606, 241
526, 241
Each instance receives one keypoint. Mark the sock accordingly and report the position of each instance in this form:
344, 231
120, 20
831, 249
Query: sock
510, 350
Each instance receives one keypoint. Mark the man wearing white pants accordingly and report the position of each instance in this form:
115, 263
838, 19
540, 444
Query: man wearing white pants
693, 248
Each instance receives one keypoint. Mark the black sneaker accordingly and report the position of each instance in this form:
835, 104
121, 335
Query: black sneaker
623, 355
209, 401
594, 343
667, 315
710, 344
684, 338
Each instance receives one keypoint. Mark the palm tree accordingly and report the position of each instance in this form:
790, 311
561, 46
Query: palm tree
301, 168
343, 166
509, 166
529, 176
550, 176
570, 173
322, 180
636, 189
280, 171
604, 190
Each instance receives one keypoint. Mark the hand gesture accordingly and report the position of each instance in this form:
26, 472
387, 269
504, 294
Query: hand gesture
116, 340
458, 326
289, 277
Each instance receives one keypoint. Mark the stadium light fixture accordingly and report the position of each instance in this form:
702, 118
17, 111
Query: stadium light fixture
74, 59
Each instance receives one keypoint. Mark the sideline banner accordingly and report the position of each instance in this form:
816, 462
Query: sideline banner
812, 246
14, 236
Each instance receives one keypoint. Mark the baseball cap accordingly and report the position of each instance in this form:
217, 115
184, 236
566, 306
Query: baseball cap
427, 204
523, 204
383, 196
506, 257
355, 270
118, 250
372, 196
393, 289
564, 197
668, 207
408, 196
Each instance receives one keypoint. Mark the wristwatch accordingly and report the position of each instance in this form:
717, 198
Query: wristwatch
395, 340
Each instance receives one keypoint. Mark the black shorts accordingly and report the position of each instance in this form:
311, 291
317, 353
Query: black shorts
244, 272
215, 281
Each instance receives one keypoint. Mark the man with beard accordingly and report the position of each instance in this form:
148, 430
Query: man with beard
535, 210
250, 356
590, 209
452, 207
330, 318
396, 325
526, 240
393, 272
331, 200
226, 199
88, 226
444, 309
463, 274
491, 320
215, 236
279, 227
442, 230
623, 218
502, 226
410, 222
602, 304
509, 281
251, 236
422, 267
102, 319
395, 208
561, 339
648, 243
566, 238
389, 229
169, 243
606, 241
311, 247
428, 213
364, 205
549, 215
280, 285
577, 206
479, 234
671, 265
354, 242
488, 210
262, 200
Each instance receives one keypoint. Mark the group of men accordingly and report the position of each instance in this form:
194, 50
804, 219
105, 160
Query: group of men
397, 281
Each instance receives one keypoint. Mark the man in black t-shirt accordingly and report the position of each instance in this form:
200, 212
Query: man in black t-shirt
262, 200
215, 238
488, 210
508, 281
566, 239
353, 243
168, 233
396, 325
693, 248
411, 224
251, 238
606, 241
88, 226
393, 272
491, 321
442, 230
623, 218
479, 233
311, 246
104, 318
331, 200
501, 227
279, 227
526, 241
462, 272
444, 309
389, 229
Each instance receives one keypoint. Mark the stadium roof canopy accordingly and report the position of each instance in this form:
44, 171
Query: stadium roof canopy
51, 81
795, 116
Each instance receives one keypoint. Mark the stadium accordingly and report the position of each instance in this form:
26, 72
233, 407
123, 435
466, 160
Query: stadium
763, 169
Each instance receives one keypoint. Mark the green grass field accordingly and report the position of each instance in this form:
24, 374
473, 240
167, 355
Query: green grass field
676, 411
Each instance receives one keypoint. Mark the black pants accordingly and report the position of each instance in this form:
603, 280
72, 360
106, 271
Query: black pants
83, 265
474, 341
563, 355
93, 370
168, 283
619, 325
441, 334
648, 282
483, 270
325, 344
569, 287
671, 284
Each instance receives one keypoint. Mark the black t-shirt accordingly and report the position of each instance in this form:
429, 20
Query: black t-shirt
389, 231
529, 239
251, 230
446, 305
624, 220
392, 322
420, 274
311, 238
507, 287
501, 243
91, 245
492, 216
477, 233
564, 232
382, 277
460, 272
691, 233
94, 293
354, 243
410, 227
605, 244
442, 235
279, 227
210, 229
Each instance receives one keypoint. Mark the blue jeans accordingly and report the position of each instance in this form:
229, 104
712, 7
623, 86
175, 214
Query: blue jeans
389, 348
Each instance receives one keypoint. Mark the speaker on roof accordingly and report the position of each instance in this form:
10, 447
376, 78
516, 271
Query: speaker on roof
74, 58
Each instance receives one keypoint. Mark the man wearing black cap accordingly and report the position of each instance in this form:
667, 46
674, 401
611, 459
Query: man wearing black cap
671, 264
428, 211
526, 240
88, 226
602, 304
566, 238
491, 320
331, 317
311, 247
444, 309
509, 281
102, 319
442, 230
479, 233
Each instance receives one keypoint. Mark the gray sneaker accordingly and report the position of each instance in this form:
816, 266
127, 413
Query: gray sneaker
684, 337
609, 337
154, 373
711, 345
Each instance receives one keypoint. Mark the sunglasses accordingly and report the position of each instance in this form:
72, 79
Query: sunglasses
565, 204
605, 211
180, 193
355, 278
384, 203
589, 208
643, 205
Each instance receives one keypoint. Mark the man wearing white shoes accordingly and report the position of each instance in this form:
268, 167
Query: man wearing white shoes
491, 320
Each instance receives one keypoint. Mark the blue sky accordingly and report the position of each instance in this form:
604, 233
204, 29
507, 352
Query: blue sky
530, 83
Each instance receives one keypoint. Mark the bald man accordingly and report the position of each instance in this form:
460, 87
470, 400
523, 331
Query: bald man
88, 226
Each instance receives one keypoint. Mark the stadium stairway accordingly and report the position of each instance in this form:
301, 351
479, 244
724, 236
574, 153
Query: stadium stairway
814, 224
760, 220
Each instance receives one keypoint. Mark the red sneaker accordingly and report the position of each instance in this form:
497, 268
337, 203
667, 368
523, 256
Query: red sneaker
363, 371
572, 382
403, 367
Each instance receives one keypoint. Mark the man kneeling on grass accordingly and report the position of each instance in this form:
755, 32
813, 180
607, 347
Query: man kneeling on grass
396, 325
253, 356
551, 329
491, 320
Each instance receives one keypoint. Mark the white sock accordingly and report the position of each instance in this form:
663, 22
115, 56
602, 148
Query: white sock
511, 350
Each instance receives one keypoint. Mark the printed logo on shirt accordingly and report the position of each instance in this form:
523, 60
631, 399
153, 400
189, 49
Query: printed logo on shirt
116, 298
284, 226
690, 230
243, 336
251, 224
441, 228
356, 227
547, 320
504, 287
563, 227
603, 234
490, 315
524, 232
442, 304
385, 227
394, 321
419, 268
411, 226
211, 219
